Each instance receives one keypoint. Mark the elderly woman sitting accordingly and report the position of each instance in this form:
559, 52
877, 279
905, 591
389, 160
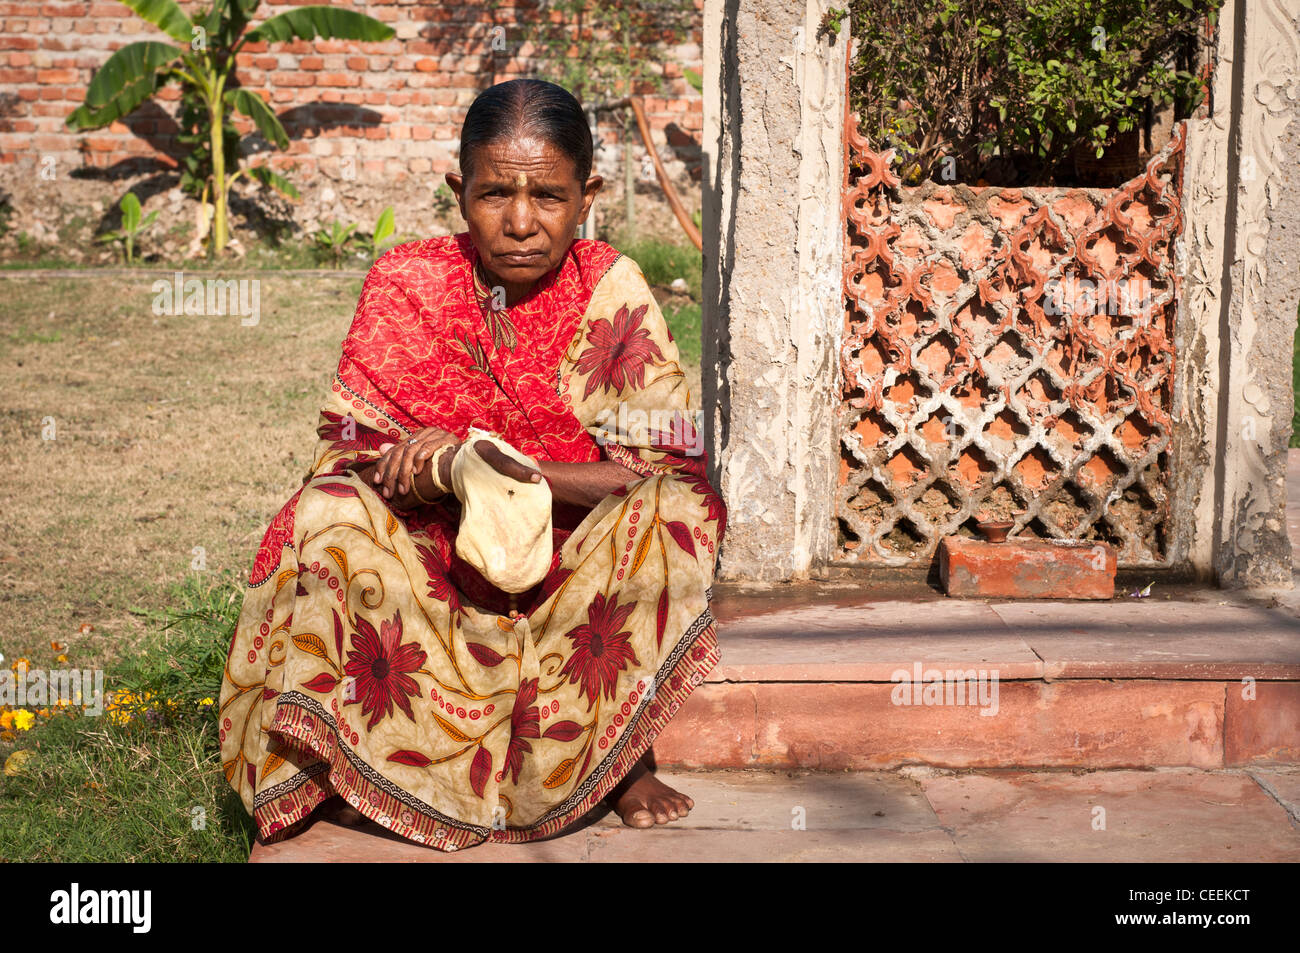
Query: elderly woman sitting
382, 655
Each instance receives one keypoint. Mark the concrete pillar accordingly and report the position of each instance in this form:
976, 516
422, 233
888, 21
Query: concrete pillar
773, 241
1241, 258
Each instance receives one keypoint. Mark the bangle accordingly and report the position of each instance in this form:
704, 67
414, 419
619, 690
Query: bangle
415, 490
436, 466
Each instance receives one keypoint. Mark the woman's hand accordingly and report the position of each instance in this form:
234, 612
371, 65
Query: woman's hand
396, 469
505, 465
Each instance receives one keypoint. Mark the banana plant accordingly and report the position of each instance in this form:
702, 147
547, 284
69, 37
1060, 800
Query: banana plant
334, 241
385, 231
132, 225
203, 57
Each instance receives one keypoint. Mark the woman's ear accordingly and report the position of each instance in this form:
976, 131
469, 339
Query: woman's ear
457, 185
594, 185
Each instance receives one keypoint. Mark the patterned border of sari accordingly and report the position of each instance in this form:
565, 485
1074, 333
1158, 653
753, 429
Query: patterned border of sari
384, 803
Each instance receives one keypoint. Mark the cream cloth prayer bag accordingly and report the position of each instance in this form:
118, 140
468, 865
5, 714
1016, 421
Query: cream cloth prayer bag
505, 525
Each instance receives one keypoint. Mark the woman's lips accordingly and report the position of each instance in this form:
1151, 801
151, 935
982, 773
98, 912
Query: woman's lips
523, 259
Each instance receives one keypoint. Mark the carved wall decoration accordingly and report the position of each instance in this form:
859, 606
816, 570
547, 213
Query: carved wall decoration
1007, 352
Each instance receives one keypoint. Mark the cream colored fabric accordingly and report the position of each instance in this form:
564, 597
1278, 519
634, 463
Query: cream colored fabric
505, 525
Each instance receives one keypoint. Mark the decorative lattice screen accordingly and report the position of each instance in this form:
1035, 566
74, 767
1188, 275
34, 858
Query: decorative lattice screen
1007, 352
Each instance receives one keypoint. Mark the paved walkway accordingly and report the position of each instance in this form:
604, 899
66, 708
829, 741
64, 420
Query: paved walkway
916, 814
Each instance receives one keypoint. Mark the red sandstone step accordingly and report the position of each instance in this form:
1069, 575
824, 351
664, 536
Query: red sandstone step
823, 681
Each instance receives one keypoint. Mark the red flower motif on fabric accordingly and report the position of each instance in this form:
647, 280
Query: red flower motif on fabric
717, 510
524, 723
440, 586
600, 650
381, 666
363, 437
617, 352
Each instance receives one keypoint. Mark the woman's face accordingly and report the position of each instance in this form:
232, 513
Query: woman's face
523, 204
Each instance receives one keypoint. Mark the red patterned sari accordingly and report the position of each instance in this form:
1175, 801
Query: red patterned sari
370, 661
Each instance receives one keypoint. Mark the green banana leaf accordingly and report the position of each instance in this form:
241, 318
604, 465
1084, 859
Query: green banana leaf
127, 78
255, 108
167, 16
307, 23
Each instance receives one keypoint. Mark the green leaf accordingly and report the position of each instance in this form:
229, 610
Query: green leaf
130, 206
129, 65
695, 79
384, 227
307, 23
127, 78
274, 180
166, 16
255, 108
149, 219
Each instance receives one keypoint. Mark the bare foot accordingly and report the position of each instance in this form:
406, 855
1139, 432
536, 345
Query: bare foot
340, 811
642, 800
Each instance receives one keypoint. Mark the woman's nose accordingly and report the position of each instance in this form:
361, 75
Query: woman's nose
520, 218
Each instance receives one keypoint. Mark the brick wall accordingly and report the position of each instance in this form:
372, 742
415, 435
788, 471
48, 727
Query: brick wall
381, 111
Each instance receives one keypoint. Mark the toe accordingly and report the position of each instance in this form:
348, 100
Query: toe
641, 818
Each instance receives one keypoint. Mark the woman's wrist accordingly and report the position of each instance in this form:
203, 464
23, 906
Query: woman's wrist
440, 467
423, 489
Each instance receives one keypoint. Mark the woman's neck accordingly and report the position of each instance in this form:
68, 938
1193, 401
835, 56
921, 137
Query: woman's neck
514, 292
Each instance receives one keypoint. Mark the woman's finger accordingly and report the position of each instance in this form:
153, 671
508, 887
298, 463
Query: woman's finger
400, 469
411, 465
506, 465
428, 449
381, 468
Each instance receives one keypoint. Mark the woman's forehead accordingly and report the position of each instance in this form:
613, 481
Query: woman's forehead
506, 159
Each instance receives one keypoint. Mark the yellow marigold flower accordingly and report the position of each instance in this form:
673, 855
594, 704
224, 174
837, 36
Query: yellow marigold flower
207, 702
62, 658
22, 665
23, 719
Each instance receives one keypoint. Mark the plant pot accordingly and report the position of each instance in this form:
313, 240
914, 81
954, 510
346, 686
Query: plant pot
995, 531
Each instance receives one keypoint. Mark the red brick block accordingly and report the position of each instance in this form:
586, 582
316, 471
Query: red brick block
292, 79
338, 79
52, 77
1027, 568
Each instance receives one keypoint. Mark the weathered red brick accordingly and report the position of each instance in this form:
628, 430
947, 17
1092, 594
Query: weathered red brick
292, 79
50, 77
1027, 568
338, 79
